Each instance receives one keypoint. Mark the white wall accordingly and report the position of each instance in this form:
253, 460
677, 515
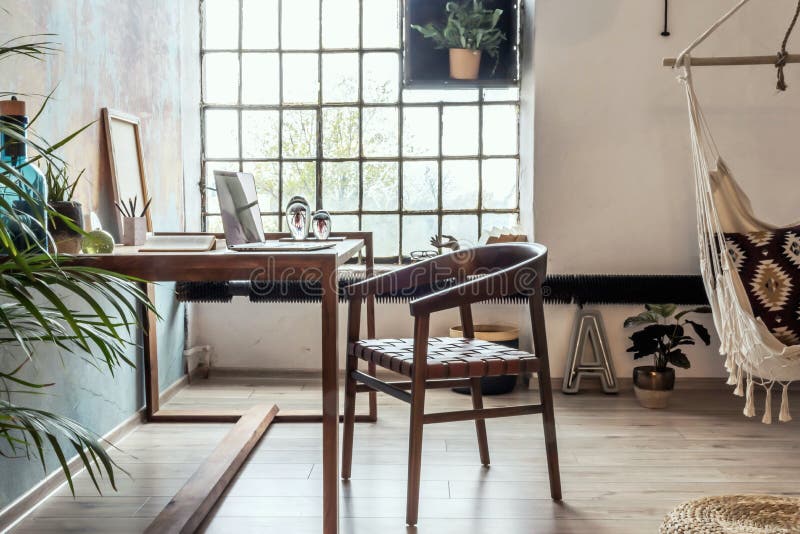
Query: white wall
611, 165
613, 183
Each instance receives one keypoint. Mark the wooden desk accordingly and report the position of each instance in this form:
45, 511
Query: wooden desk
225, 265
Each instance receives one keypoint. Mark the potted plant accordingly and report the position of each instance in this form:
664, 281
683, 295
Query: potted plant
67, 219
470, 30
45, 299
662, 338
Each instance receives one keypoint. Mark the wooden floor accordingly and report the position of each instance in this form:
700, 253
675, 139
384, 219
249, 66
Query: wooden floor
623, 467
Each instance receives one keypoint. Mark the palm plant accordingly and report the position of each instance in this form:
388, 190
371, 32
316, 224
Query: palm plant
60, 184
41, 298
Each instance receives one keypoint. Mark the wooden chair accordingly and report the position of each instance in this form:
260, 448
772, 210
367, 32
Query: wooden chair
478, 274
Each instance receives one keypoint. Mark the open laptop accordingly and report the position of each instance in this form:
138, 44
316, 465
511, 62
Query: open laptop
241, 217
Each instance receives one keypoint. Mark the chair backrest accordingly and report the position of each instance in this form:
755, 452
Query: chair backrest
494, 258
483, 273
529, 258
513, 267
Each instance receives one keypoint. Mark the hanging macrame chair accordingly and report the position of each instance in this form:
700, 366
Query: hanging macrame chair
754, 356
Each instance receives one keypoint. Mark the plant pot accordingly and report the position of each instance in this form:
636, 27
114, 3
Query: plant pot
503, 335
134, 231
65, 239
653, 387
465, 64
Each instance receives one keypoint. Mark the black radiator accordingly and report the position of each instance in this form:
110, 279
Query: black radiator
559, 289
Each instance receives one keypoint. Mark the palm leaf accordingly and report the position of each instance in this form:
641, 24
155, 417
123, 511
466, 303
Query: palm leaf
26, 430
44, 301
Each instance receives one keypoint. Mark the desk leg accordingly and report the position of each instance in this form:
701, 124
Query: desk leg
330, 403
150, 354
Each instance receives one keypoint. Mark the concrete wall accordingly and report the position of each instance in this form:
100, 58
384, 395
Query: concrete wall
126, 56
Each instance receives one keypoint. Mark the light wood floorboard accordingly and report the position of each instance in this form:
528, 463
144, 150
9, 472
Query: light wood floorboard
623, 467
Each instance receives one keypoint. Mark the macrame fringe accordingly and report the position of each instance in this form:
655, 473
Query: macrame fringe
767, 419
733, 371
749, 405
785, 416
739, 391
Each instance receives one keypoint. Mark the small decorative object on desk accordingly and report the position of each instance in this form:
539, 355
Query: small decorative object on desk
134, 231
134, 224
98, 241
445, 241
503, 235
321, 222
66, 224
420, 255
662, 338
297, 213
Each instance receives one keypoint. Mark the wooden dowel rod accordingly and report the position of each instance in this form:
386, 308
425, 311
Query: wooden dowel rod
433, 384
733, 60
485, 413
374, 383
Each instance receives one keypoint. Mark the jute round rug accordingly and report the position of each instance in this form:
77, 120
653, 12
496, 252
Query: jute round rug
735, 514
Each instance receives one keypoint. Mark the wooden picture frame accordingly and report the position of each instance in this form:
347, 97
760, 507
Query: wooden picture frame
126, 159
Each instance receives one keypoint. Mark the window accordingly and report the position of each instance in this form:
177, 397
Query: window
307, 96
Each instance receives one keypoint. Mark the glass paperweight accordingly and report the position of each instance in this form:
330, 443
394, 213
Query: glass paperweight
98, 242
321, 223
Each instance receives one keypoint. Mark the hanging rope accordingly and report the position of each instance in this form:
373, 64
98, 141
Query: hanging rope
783, 55
666, 33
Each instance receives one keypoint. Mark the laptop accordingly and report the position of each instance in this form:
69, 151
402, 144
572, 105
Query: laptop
241, 217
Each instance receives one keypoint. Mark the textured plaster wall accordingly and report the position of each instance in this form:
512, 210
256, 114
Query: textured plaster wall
125, 55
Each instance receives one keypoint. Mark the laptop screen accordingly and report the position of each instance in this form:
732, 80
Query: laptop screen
238, 203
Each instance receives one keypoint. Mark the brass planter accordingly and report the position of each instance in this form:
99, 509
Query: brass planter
653, 387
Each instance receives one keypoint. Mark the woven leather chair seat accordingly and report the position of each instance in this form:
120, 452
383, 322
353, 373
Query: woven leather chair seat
448, 357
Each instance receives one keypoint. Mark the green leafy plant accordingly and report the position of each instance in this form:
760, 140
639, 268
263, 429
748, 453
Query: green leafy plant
60, 184
83, 312
469, 25
665, 333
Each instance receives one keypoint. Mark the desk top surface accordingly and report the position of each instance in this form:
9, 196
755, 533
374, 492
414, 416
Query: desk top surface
222, 263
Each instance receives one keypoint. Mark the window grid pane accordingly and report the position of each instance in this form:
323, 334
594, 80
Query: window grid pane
323, 113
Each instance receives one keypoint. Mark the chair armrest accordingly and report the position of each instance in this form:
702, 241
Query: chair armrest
412, 276
522, 279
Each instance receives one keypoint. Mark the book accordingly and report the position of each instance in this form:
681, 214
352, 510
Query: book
178, 243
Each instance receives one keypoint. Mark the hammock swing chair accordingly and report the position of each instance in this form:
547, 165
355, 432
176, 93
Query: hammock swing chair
755, 357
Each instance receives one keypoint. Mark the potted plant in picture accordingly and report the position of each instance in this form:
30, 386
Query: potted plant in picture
68, 217
662, 337
469, 31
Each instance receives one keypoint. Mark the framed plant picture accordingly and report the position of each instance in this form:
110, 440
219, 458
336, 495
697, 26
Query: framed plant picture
440, 37
126, 158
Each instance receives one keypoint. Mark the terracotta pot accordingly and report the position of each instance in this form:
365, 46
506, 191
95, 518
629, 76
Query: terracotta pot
464, 63
653, 388
66, 240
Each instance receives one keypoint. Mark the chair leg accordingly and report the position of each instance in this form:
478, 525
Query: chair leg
372, 370
349, 418
549, 421
480, 424
415, 452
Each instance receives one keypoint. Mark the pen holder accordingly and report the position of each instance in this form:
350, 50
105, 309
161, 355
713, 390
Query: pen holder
134, 231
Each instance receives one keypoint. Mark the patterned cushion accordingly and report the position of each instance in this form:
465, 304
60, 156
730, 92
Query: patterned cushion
769, 266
